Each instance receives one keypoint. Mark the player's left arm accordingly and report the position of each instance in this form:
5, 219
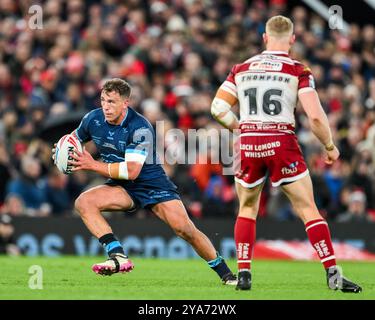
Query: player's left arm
225, 99
318, 120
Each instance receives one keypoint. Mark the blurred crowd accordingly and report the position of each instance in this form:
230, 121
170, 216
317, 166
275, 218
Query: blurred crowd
175, 54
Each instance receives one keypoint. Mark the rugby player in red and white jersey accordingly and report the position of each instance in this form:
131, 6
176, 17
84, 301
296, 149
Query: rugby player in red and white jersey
267, 87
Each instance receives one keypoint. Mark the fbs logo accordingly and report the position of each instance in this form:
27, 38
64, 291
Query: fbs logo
292, 168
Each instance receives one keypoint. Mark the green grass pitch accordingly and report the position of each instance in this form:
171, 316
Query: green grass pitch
160, 279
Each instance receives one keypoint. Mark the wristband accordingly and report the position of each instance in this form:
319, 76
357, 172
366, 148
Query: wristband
118, 170
329, 146
123, 171
109, 170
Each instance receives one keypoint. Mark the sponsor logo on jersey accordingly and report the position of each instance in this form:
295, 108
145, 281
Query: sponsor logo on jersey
122, 145
292, 168
111, 133
260, 150
260, 147
159, 194
265, 65
265, 126
263, 154
97, 123
109, 145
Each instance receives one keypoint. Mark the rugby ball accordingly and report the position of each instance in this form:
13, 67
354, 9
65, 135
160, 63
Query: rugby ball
64, 148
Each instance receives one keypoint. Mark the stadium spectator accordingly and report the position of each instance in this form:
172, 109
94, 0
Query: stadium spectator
202, 173
47, 91
334, 178
4, 171
57, 194
278, 206
219, 197
13, 206
360, 178
7, 243
356, 208
29, 187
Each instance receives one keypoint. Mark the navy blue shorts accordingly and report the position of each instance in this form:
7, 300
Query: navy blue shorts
147, 193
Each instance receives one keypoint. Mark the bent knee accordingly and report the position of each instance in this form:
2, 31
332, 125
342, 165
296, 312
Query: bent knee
84, 203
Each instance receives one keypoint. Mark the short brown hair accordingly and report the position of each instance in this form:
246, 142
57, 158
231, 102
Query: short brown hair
279, 26
118, 85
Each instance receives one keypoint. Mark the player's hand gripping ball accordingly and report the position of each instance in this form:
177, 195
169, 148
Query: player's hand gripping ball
63, 152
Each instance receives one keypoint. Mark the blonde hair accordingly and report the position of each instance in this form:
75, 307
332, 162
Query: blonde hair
279, 26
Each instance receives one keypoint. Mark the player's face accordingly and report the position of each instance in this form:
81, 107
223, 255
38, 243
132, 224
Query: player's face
113, 106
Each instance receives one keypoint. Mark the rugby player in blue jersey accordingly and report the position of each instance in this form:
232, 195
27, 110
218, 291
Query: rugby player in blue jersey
126, 143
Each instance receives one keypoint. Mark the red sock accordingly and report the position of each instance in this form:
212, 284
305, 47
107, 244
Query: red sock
320, 238
244, 236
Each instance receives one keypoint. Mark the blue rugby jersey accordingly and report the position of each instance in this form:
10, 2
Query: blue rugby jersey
134, 137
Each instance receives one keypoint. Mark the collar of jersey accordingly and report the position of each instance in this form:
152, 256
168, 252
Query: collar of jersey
122, 122
126, 116
275, 52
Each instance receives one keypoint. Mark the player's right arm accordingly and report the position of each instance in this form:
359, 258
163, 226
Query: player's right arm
225, 99
319, 123
318, 120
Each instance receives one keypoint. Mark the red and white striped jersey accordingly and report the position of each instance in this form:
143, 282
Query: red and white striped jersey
267, 86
